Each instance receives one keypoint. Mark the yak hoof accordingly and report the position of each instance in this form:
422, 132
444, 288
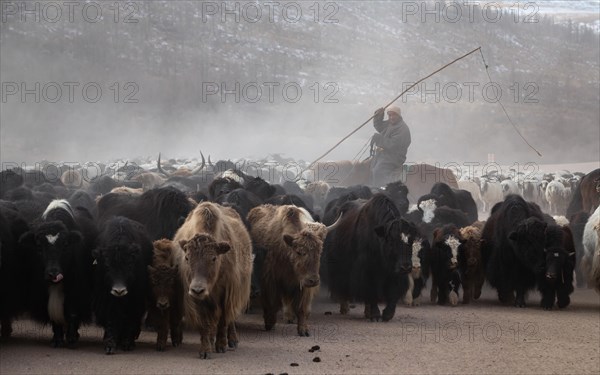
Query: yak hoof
453, 298
109, 349
204, 355
232, 344
563, 303
303, 332
160, 347
220, 349
388, 314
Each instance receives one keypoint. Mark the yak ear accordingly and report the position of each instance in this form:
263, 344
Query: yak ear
223, 247
436, 233
95, 254
182, 244
513, 236
380, 231
74, 238
27, 240
289, 240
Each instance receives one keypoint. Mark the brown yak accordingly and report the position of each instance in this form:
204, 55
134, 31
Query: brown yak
166, 310
289, 276
215, 264
470, 263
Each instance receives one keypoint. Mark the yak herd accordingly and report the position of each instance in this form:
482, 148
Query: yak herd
176, 249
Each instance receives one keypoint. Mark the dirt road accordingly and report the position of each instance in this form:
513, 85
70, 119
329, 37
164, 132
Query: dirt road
481, 338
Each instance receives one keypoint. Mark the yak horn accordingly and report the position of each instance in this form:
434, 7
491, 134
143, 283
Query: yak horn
336, 224
198, 169
160, 170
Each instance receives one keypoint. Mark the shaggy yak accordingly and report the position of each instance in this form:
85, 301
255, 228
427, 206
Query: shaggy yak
214, 254
58, 259
121, 292
293, 243
166, 309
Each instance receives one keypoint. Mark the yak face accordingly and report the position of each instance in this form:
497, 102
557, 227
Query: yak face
163, 280
528, 243
447, 245
419, 248
304, 252
396, 245
556, 258
470, 257
55, 246
203, 255
118, 263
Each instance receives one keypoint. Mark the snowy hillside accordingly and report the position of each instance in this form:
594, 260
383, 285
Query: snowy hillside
346, 57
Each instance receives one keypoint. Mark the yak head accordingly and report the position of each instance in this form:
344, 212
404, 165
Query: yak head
558, 260
163, 280
54, 246
527, 240
470, 257
203, 256
447, 244
303, 250
420, 247
118, 263
396, 245
163, 274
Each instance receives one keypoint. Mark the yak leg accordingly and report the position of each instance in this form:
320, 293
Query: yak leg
206, 344
344, 307
271, 306
288, 311
562, 294
73, 330
478, 285
392, 296
221, 340
176, 329
302, 306
6, 330
232, 337
417, 291
408, 297
467, 291
58, 335
547, 296
161, 324
110, 344
520, 299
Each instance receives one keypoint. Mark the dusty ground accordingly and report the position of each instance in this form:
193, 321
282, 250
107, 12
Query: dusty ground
481, 338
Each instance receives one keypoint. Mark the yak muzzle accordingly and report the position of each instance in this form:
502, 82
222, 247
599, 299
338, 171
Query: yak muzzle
119, 291
311, 281
162, 304
198, 292
54, 277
